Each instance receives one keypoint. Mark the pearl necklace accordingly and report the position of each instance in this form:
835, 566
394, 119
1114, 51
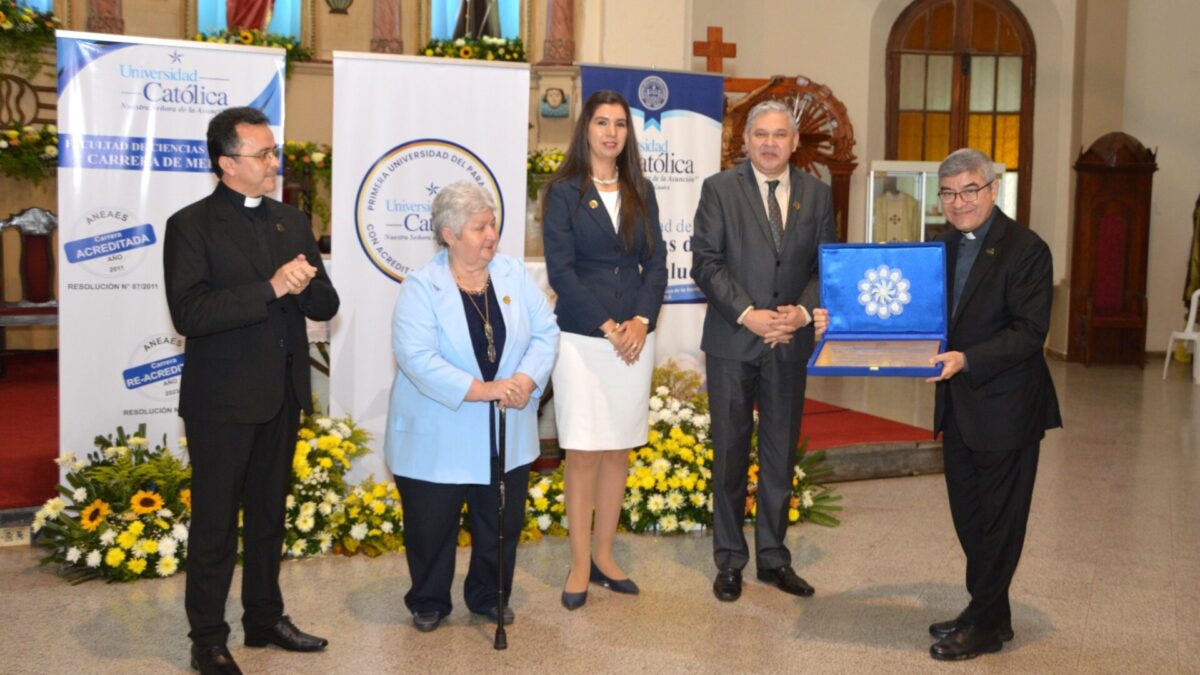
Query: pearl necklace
607, 181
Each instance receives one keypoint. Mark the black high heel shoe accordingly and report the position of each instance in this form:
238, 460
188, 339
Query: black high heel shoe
625, 586
573, 601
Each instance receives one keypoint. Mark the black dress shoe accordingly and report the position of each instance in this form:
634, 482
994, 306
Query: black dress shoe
214, 660
728, 584
787, 580
966, 643
573, 601
427, 622
944, 629
284, 634
490, 613
616, 585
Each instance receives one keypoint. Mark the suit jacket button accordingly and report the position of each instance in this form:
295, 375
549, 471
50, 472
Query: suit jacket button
775, 294
618, 295
617, 271
281, 343
778, 263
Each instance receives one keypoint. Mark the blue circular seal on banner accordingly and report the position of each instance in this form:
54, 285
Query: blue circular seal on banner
653, 92
393, 207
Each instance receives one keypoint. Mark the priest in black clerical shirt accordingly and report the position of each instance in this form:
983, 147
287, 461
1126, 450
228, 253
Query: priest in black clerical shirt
242, 273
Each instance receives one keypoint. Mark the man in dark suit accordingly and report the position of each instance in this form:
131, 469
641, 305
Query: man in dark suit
242, 272
995, 398
754, 254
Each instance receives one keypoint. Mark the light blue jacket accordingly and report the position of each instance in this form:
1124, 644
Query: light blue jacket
433, 434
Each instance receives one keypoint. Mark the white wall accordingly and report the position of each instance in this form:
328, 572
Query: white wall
1162, 86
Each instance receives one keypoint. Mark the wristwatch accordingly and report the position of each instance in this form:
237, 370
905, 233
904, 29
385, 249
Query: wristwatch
643, 319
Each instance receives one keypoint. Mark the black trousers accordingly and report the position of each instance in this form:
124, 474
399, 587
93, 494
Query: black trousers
431, 516
234, 466
734, 388
990, 495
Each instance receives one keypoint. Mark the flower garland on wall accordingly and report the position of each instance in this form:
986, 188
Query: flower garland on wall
486, 48
295, 50
28, 152
25, 35
124, 510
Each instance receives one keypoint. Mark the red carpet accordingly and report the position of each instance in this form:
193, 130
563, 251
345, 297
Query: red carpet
28, 429
829, 426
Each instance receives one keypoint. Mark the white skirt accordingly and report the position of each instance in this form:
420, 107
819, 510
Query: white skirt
600, 402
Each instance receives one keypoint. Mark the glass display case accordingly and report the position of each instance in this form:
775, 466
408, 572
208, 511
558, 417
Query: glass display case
902, 201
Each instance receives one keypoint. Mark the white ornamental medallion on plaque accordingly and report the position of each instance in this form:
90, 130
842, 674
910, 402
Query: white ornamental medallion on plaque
883, 292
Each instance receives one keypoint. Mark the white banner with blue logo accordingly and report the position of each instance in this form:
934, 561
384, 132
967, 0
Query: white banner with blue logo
404, 127
677, 118
132, 118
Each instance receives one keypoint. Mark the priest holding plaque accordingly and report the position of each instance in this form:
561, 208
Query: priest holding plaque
995, 398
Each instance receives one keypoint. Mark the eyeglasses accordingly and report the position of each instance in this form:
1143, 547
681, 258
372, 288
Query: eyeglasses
969, 195
262, 155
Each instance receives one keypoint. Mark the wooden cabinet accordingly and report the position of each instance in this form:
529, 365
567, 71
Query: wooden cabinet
1108, 260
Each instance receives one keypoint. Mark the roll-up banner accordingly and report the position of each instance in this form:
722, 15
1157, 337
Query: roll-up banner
405, 127
677, 118
132, 118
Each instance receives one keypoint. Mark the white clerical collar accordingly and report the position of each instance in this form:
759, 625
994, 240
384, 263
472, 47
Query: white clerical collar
253, 202
968, 235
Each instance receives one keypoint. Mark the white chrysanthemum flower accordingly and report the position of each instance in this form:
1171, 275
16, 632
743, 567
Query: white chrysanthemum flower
701, 436
136, 441
800, 473
340, 427
305, 523
332, 497
359, 531
674, 500
634, 515
560, 498
696, 498
167, 565
565, 522
656, 503
54, 507
39, 521
180, 533
165, 513
78, 465
308, 508
289, 503
66, 458
93, 559
108, 537
536, 493
668, 523
387, 527
806, 498
324, 423
325, 508
656, 404
662, 391
636, 495
79, 495
675, 405
325, 542
682, 472
73, 555
661, 465
298, 546
167, 547
544, 521
686, 414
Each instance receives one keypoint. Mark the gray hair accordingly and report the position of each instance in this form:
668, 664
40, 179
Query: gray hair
455, 204
967, 159
768, 106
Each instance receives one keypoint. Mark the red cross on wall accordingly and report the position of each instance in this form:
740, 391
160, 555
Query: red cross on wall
714, 50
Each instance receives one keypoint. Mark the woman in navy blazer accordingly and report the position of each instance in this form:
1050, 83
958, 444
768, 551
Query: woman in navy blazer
469, 328
606, 260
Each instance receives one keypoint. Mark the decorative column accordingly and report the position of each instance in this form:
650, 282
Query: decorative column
385, 37
105, 16
559, 47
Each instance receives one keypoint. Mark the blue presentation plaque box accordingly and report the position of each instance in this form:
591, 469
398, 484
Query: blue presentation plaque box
887, 309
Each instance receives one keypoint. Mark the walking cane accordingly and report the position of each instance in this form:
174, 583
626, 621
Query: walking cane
501, 637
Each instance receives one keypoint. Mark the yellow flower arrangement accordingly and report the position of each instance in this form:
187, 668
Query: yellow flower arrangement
539, 166
145, 501
295, 51
94, 514
487, 48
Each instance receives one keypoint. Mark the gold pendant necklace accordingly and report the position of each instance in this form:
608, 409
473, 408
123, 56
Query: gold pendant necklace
486, 315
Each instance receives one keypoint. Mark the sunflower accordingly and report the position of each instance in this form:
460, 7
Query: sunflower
246, 37
145, 502
185, 496
466, 52
93, 515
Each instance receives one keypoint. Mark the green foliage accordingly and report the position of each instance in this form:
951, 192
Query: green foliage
485, 48
29, 153
24, 36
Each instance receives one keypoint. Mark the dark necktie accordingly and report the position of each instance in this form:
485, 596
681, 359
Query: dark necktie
775, 215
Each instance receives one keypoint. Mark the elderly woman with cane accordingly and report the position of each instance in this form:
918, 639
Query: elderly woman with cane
472, 333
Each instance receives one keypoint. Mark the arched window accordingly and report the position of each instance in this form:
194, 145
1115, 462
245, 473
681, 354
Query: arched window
211, 16
960, 74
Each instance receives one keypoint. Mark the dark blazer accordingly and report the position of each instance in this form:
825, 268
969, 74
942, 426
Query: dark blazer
734, 260
239, 337
588, 268
1007, 399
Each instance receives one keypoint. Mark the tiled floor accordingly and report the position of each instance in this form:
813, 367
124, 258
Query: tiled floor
1110, 580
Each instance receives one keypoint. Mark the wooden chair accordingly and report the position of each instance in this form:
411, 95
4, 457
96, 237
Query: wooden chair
28, 245
1112, 304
